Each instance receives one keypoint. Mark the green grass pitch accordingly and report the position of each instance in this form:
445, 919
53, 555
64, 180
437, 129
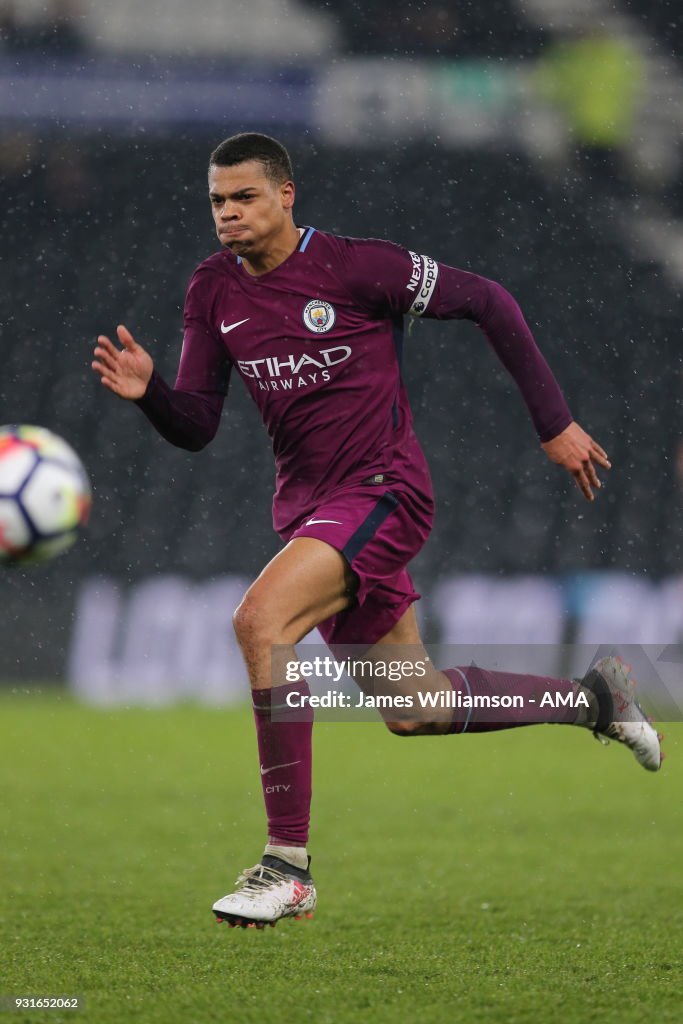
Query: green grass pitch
527, 876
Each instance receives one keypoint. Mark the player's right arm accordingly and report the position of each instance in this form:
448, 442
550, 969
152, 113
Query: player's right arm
187, 415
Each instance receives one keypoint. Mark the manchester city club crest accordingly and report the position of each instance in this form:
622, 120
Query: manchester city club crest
319, 316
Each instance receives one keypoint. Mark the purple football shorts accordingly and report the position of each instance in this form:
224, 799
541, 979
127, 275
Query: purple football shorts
378, 530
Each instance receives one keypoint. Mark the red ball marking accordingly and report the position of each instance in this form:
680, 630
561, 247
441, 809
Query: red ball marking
84, 507
10, 444
7, 546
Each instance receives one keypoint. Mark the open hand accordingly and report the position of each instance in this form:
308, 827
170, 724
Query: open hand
579, 454
125, 371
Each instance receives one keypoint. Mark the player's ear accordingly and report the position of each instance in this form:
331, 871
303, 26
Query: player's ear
287, 194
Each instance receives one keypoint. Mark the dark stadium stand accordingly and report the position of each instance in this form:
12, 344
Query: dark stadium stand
663, 20
120, 248
406, 28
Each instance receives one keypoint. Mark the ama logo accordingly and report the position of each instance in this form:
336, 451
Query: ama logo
319, 316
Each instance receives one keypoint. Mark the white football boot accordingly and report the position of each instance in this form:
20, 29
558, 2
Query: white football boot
272, 889
619, 715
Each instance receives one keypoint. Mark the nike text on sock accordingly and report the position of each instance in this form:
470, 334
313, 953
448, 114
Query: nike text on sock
284, 742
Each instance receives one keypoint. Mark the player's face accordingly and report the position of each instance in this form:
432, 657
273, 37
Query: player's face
250, 211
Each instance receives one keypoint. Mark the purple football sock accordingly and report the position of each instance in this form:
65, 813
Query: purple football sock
471, 682
285, 750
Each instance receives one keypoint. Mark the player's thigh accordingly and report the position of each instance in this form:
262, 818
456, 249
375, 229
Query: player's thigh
307, 582
401, 668
406, 631
402, 648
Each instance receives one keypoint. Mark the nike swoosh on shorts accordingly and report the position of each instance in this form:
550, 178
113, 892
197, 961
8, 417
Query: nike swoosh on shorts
231, 327
312, 522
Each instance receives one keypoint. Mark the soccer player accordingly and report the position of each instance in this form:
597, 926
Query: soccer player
312, 323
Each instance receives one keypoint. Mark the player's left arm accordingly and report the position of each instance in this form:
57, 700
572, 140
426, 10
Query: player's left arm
395, 281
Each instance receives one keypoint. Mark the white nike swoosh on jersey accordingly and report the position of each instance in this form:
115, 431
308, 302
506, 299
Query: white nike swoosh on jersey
264, 771
312, 522
231, 327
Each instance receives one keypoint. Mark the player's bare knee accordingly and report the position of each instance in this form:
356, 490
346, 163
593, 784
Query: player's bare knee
404, 728
252, 624
410, 728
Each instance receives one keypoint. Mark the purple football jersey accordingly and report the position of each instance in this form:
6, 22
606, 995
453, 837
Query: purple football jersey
317, 342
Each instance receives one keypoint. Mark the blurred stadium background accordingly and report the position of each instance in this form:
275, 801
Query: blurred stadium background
537, 143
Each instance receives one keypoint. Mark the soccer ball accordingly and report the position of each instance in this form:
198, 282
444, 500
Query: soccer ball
44, 495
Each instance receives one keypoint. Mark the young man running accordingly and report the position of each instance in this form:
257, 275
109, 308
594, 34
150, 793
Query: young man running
312, 322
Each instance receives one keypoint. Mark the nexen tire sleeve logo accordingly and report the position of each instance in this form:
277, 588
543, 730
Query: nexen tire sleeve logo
422, 282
